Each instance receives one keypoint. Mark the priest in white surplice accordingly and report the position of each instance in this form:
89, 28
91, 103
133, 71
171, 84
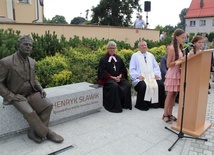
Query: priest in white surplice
146, 79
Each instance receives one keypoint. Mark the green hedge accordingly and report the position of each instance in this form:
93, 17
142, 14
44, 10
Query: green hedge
8, 42
72, 66
61, 62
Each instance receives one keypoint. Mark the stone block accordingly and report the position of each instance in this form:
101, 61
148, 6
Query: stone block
69, 102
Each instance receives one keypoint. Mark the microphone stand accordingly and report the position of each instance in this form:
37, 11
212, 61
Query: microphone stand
181, 134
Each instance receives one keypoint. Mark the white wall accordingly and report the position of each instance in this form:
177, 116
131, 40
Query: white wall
209, 27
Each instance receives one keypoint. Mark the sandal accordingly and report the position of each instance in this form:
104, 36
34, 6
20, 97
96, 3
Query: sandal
168, 120
172, 117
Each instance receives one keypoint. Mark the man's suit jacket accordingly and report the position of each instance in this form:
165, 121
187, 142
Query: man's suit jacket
163, 66
13, 76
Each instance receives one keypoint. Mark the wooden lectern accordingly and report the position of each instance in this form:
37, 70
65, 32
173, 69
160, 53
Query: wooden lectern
196, 93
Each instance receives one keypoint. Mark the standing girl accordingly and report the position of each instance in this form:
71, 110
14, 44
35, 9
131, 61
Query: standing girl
172, 81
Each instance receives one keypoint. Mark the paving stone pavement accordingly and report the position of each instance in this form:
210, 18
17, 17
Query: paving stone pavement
132, 132
198, 147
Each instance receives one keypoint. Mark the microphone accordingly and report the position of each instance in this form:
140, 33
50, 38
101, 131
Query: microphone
186, 47
191, 44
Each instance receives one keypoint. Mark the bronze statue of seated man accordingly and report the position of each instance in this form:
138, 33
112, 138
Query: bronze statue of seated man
19, 87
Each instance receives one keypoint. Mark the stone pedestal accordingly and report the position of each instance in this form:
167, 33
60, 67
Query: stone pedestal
69, 102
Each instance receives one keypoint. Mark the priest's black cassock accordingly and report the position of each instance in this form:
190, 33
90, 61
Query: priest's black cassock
116, 95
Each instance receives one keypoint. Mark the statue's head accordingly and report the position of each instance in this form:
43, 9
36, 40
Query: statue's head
24, 45
24, 38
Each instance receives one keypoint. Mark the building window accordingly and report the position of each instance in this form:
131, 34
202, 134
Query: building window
202, 23
24, 1
192, 23
213, 22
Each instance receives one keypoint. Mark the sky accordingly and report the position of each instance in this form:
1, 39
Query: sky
163, 12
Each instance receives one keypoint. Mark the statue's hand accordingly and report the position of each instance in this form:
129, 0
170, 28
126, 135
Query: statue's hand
19, 97
43, 93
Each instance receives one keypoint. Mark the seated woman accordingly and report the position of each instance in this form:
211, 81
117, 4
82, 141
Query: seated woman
112, 74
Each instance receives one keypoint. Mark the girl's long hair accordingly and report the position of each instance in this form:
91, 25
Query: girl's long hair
177, 33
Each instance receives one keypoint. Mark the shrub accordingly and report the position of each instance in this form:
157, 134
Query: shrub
61, 62
48, 68
158, 52
8, 42
62, 78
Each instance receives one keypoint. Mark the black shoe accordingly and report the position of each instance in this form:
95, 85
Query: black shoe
130, 108
155, 105
32, 135
54, 137
142, 109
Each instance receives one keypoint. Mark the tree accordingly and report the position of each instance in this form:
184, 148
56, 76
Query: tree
78, 20
170, 29
56, 20
45, 20
182, 15
115, 12
159, 27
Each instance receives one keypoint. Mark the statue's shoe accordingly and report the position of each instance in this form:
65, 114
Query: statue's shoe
54, 137
32, 135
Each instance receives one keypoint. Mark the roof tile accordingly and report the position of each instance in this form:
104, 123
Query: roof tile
195, 11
